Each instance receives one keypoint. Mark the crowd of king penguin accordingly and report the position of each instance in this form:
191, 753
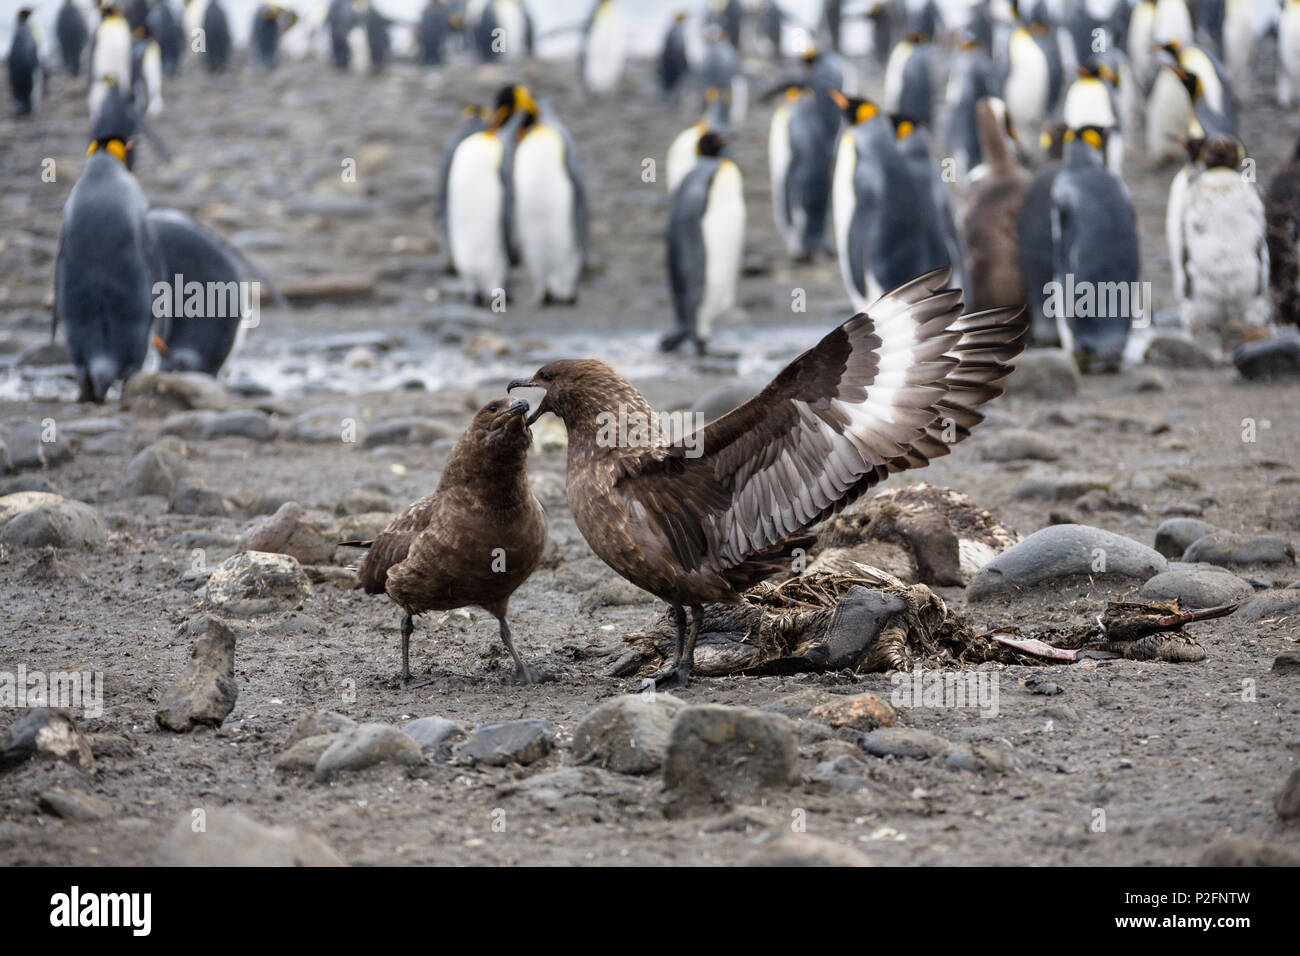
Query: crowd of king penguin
988, 136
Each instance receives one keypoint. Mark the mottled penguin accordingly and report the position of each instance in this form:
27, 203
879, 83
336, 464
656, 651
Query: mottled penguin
1223, 255
706, 239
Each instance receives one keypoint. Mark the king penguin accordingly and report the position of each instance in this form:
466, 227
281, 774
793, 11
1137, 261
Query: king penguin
163, 27
1091, 101
110, 56
70, 29
684, 149
216, 32
1026, 82
916, 147
432, 31
550, 207
474, 119
200, 339
973, 78
800, 146
673, 67
1223, 250
1238, 40
1034, 237
478, 201
604, 49
908, 88
1141, 23
105, 269
24, 65
887, 230
1096, 262
146, 72
706, 240
270, 21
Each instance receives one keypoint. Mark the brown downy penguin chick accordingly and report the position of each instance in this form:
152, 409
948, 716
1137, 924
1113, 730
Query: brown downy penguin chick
992, 211
474, 540
702, 519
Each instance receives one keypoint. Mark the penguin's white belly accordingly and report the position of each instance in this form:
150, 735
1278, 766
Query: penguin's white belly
681, 155
723, 228
1173, 23
511, 23
1139, 42
844, 201
1238, 38
1223, 230
606, 43
112, 52
1169, 113
894, 69
1087, 103
544, 215
1026, 89
778, 161
739, 100
360, 48
192, 19
151, 66
475, 204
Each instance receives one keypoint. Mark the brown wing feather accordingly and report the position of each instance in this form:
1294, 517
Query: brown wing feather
390, 547
884, 392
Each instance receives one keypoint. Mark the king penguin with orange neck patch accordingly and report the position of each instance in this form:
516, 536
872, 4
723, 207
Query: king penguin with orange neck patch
706, 241
550, 207
478, 199
105, 270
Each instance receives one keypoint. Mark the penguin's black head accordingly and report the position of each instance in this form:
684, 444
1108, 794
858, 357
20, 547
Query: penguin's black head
855, 109
1052, 140
122, 150
1191, 83
1094, 136
904, 125
509, 100
1222, 152
23, 14
711, 143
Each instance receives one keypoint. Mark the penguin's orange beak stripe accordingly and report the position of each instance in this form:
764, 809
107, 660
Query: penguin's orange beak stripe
160, 345
114, 146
